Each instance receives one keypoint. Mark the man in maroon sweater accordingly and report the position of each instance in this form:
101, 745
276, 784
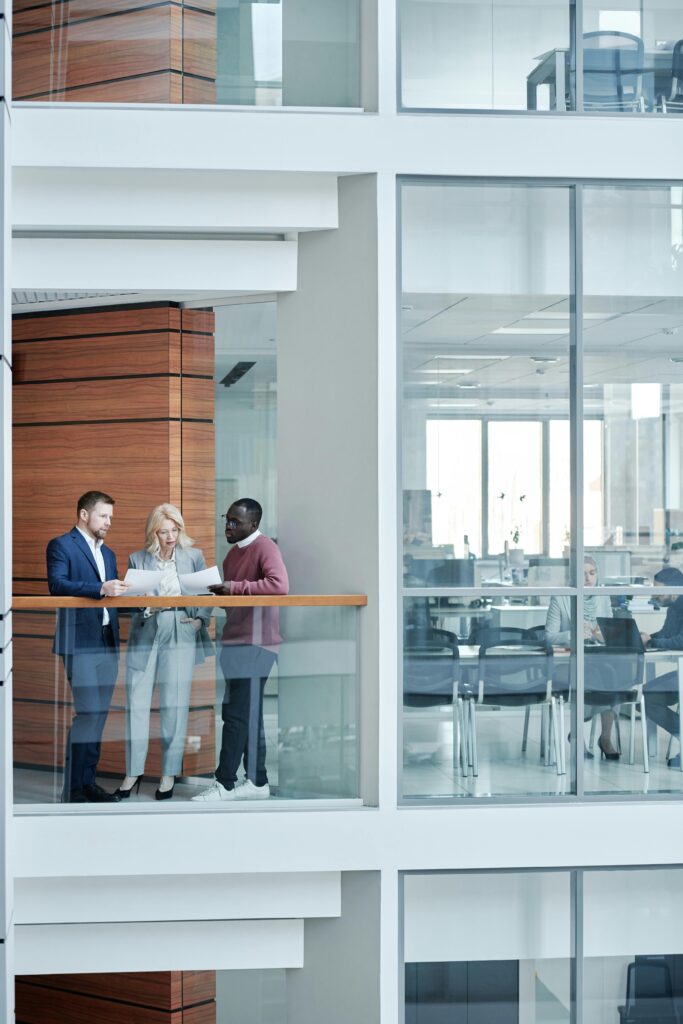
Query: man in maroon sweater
249, 648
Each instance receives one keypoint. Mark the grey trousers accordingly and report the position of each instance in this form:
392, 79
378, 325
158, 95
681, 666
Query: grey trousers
170, 665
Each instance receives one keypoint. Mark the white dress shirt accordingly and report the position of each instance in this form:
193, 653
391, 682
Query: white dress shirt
96, 551
248, 540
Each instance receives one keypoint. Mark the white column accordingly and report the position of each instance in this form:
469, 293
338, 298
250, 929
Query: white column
6, 882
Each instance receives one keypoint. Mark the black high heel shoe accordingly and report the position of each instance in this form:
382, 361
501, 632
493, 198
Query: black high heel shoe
164, 794
609, 755
123, 794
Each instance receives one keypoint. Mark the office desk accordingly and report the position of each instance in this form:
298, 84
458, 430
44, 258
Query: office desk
553, 70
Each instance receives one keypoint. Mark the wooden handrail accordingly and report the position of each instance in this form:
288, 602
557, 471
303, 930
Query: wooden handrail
43, 604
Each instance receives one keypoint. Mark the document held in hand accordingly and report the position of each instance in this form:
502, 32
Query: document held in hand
142, 581
199, 582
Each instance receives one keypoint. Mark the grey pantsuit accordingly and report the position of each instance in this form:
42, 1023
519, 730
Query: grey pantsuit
163, 650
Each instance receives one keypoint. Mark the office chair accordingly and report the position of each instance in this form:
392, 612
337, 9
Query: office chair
613, 677
675, 99
431, 673
649, 994
613, 71
516, 670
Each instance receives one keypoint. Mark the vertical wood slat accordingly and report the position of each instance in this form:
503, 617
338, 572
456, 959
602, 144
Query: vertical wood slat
75, 369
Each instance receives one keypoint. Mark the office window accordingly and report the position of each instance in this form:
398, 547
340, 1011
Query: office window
485, 56
507, 963
454, 464
633, 371
515, 486
558, 482
520, 56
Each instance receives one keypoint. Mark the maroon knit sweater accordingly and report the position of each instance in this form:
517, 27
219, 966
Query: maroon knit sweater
255, 569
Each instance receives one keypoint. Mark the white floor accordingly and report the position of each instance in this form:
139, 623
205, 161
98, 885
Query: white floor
504, 770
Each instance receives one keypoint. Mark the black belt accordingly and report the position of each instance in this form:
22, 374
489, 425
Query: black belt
108, 634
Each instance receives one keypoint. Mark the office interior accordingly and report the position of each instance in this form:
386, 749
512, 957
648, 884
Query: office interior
497, 371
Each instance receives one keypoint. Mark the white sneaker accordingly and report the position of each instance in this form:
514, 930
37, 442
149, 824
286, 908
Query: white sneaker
215, 792
248, 791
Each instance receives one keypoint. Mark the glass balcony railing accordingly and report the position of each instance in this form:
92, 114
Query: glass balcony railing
288, 53
173, 698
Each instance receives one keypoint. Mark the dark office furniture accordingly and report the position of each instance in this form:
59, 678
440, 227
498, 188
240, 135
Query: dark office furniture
674, 101
613, 676
456, 572
478, 992
516, 670
649, 993
613, 72
431, 674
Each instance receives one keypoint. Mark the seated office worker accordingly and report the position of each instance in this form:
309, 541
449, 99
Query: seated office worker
662, 692
558, 633
249, 649
164, 645
80, 565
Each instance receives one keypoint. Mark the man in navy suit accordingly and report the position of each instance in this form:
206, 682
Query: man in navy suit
79, 565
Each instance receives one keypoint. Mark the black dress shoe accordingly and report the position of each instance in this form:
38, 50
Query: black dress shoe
96, 795
76, 796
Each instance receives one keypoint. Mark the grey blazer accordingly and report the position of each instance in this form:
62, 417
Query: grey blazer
143, 630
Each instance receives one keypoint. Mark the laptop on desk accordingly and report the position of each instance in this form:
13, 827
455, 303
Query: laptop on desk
623, 633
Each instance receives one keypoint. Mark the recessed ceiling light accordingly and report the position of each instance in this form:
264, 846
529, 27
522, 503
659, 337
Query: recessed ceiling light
469, 384
444, 370
407, 308
566, 316
544, 359
530, 330
453, 405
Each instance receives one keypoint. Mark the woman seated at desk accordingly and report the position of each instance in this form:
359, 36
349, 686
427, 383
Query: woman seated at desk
558, 633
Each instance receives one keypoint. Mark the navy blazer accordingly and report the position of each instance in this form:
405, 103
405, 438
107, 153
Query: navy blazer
72, 572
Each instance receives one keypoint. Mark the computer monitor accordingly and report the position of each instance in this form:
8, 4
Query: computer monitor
456, 572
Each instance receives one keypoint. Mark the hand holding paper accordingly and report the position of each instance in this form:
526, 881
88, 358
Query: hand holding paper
142, 582
199, 582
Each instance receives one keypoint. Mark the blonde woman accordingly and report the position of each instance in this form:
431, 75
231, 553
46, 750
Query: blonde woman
164, 645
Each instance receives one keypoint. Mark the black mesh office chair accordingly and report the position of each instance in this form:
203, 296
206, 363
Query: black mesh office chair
649, 994
613, 677
674, 101
613, 71
515, 670
431, 673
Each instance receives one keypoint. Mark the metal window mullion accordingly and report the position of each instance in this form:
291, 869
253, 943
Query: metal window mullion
576, 460
545, 487
484, 449
576, 977
576, 31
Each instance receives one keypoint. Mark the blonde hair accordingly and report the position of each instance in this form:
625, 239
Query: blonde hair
154, 521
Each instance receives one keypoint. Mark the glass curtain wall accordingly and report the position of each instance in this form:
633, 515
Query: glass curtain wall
498, 665
502, 55
518, 964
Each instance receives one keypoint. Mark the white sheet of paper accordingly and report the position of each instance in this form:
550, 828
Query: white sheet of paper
142, 581
199, 582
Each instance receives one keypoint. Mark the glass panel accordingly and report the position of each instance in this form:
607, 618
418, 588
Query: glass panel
246, 52
633, 644
633, 377
631, 60
484, 698
485, 343
290, 720
558, 493
251, 997
492, 55
503, 968
633, 950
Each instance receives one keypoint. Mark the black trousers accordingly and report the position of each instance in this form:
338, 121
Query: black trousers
92, 675
660, 694
246, 669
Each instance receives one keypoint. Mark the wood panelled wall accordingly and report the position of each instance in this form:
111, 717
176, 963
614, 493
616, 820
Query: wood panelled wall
118, 400
119, 51
168, 997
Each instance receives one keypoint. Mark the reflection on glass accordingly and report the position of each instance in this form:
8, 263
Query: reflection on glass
488, 56
293, 54
485, 339
633, 377
487, 702
517, 969
633, 954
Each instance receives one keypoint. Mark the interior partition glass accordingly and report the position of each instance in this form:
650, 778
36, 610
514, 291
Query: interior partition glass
633, 946
487, 948
492, 55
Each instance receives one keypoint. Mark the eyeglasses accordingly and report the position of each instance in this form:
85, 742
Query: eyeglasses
231, 524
